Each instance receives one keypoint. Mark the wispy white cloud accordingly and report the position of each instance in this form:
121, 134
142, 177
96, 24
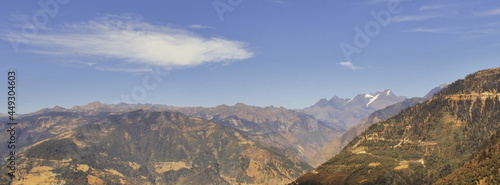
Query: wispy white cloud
428, 30
409, 18
488, 13
197, 26
439, 6
130, 40
465, 33
431, 7
80, 62
349, 65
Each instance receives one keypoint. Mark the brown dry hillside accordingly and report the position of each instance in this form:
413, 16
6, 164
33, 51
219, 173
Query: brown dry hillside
152, 147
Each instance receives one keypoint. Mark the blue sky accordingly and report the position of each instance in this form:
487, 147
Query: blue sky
270, 52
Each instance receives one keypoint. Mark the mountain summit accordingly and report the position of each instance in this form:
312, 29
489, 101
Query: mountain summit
344, 113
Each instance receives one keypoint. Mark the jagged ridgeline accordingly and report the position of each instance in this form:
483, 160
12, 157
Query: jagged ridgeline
152, 147
440, 140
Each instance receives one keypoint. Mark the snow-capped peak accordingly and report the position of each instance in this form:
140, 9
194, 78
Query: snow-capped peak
372, 100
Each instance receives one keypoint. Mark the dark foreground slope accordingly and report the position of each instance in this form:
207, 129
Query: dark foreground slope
146, 147
423, 144
482, 168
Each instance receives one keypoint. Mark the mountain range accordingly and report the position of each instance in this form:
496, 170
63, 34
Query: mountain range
289, 138
280, 142
151, 147
450, 138
344, 113
377, 138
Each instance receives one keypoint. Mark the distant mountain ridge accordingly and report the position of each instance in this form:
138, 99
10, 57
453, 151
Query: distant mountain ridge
344, 113
435, 91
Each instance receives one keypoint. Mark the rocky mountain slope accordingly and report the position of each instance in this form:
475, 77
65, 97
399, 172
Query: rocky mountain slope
287, 131
336, 145
292, 133
44, 124
149, 147
424, 144
344, 113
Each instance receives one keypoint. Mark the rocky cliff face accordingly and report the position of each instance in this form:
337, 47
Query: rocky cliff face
423, 144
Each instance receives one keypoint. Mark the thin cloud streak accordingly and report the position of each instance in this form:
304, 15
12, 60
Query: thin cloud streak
130, 40
466, 33
349, 65
428, 30
488, 13
440, 6
197, 26
410, 18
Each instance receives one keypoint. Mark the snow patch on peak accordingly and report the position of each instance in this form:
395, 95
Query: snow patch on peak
368, 95
349, 101
388, 92
372, 100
